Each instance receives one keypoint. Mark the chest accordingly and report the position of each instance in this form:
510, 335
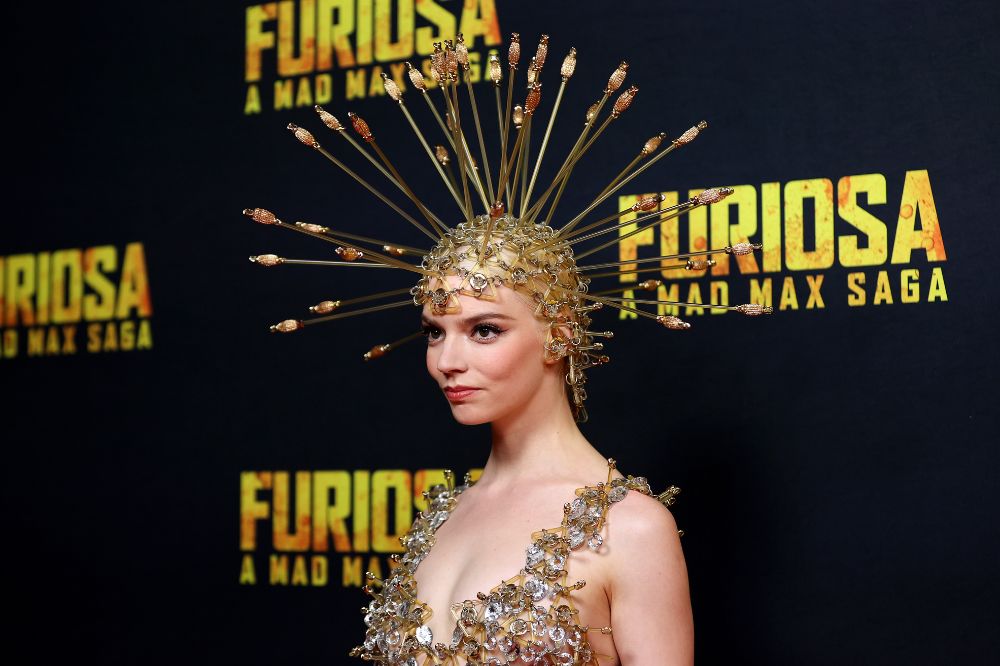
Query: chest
485, 543
483, 583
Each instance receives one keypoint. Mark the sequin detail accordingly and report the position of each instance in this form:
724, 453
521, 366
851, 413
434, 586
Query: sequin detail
530, 617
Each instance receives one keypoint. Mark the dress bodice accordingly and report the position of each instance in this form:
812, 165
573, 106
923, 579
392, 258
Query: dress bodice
528, 618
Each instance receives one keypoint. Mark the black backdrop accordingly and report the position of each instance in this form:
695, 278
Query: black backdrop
839, 465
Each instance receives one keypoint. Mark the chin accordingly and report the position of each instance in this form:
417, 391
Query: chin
470, 415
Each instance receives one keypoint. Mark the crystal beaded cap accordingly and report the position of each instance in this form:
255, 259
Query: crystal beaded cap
508, 234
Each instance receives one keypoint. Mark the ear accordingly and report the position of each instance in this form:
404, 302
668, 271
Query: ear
558, 342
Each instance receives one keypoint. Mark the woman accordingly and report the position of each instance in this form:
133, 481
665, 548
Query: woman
533, 563
475, 582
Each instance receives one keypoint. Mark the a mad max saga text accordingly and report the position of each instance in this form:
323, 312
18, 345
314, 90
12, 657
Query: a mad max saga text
77, 300
326, 527
305, 52
886, 247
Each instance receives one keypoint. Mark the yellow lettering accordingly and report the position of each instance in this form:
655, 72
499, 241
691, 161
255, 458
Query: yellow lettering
355, 83
815, 299
744, 199
329, 518
442, 26
385, 540
248, 573
909, 286
694, 296
883, 294
278, 570
479, 18
145, 337
67, 285
285, 537
351, 572
770, 209
133, 288
937, 290
251, 105
877, 250
855, 283
917, 199
820, 190
97, 261
319, 573
288, 63
385, 48
252, 509
718, 295
789, 299
257, 38
20, 289
334, 36
665, 293
760, 291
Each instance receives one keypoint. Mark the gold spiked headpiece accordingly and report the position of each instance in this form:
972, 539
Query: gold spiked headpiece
496, 248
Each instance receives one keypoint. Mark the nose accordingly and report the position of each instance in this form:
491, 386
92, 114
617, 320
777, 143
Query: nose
450, 358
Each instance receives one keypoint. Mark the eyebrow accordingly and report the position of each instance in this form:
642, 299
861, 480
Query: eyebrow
474, 319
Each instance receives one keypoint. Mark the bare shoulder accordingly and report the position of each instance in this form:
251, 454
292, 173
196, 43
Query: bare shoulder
646, 582
640, 522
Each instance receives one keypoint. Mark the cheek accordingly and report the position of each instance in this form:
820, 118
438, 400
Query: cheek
516, 360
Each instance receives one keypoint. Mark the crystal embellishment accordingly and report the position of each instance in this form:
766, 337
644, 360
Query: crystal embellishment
528, 618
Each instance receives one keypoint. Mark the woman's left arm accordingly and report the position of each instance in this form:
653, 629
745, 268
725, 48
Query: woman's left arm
648, 586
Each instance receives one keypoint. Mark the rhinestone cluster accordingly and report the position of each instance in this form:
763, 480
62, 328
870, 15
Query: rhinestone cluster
530, 616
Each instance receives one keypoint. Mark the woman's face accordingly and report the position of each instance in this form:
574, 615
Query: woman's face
488, 357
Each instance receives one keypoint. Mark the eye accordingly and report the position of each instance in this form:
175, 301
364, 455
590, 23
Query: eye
486, 332
433, 333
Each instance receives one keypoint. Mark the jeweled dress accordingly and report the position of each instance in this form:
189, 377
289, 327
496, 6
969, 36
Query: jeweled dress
530, 617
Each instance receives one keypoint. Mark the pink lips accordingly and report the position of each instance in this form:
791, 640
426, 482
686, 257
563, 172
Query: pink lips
458, 393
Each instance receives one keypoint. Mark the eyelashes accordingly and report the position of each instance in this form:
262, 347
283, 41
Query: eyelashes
482, 332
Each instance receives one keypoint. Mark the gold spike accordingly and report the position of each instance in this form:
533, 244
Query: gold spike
391, 89
652, 144
623, 102
514, 50
360, 126
617, 78
568, 65
690, 135
349, 253
287, 326
714, 195
532, 100
267, 260
462, 52
261, 215
542, 51
441, 153
303, 135
324, 307
416, 77
328, 119
673, 323
754, 309
743, 248
496, 71
699, 264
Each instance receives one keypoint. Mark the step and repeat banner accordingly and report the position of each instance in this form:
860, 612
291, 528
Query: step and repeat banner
185, 485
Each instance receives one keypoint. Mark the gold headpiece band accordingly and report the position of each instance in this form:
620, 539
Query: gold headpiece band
497, 248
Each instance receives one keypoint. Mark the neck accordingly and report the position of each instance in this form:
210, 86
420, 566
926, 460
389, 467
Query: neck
540, 442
